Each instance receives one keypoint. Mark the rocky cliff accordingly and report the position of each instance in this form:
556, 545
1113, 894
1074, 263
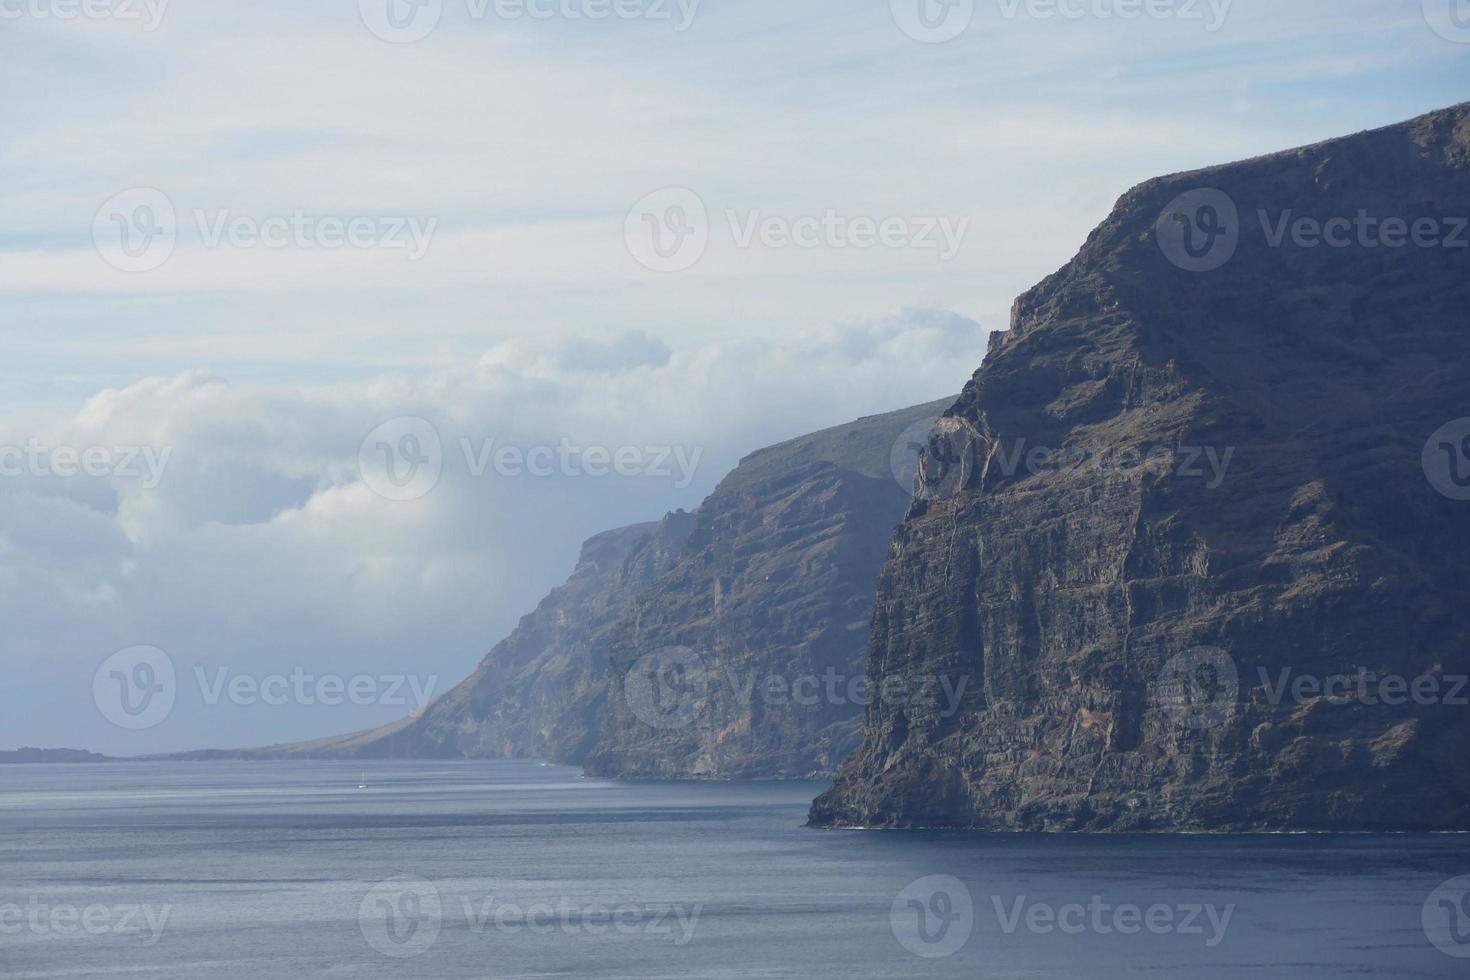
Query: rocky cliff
541, 692
769, 581
1200, 539
736, 663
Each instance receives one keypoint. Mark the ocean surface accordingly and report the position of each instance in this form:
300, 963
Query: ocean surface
264, 870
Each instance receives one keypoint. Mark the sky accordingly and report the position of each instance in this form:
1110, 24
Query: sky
558, 263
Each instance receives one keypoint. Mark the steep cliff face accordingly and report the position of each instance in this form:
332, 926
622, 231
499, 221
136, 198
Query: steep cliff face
772, 577
540, 692
738, 662
772, 597
1204, 474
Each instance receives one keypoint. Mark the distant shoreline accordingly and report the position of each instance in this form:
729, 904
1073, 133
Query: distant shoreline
30, 755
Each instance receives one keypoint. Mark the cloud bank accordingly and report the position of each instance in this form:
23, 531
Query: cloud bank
267, 547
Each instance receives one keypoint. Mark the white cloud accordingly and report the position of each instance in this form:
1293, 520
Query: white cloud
263, 548
529, 141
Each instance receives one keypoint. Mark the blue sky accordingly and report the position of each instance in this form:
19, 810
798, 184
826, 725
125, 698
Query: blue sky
524, 144
529, 140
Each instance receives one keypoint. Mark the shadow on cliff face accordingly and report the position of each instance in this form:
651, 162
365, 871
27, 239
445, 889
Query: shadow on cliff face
1301, 315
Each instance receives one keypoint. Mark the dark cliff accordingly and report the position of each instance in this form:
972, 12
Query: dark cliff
771, 599
541, 692
772, 577
1242, 489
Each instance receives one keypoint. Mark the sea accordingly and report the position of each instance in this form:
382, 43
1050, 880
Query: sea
299, 869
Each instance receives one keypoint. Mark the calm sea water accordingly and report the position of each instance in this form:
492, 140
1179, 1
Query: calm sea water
263, 870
